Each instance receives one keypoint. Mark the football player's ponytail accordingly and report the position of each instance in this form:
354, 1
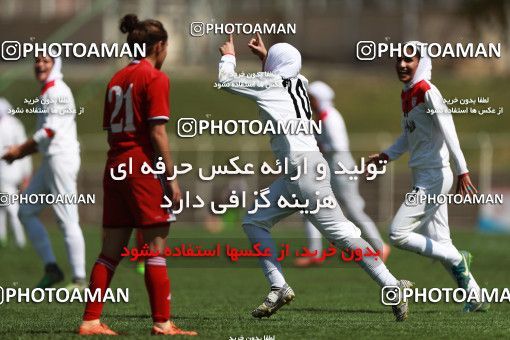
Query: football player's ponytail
147, 32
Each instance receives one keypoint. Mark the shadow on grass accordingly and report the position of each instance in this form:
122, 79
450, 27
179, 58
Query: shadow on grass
349, 310
148, 317
52, 332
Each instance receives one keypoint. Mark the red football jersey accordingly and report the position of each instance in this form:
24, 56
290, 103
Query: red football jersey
135, 95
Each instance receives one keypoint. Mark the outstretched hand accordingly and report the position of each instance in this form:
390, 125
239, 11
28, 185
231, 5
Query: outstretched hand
228, 46
256, 45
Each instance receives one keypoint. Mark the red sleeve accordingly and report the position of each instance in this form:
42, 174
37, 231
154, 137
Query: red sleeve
158, 92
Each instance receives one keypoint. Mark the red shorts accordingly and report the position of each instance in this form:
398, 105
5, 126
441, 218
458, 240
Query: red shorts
134, 203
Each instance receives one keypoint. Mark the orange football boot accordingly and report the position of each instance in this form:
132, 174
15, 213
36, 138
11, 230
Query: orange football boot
98, 329
171, 329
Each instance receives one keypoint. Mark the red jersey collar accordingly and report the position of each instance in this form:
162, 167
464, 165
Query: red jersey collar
47, 86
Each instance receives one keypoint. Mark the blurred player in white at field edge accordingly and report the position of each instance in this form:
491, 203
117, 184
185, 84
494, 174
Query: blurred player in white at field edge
429, 138
334, 145
56, 139
13, 177
280, 94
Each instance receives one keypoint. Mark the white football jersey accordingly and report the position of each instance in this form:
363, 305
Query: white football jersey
430, 137
278, 100
56, 125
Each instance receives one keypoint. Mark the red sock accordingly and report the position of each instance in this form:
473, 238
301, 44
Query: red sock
158, 287
139, 243
100, 278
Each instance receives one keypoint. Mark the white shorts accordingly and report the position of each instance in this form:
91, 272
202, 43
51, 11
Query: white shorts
428, 219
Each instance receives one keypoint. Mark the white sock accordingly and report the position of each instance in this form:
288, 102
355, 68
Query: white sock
270, 265
314, 238
368, 228
374, 266
430, 248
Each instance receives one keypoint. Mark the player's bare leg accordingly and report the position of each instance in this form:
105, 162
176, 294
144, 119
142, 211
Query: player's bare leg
158, 284
114, 241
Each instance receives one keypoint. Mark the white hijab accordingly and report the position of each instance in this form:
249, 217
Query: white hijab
323, 93
4, 107
283, 59
424, 70
56, 70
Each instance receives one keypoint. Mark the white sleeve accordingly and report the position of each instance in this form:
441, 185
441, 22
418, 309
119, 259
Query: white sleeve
398, 148
248, 86
443, 118
58, 115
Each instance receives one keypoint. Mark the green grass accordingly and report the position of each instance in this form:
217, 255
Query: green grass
369, 103
331, 303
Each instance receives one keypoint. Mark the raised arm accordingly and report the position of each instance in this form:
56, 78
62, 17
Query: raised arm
258, 48
250, 86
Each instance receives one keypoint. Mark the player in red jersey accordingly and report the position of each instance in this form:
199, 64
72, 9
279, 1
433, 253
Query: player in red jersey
135, 112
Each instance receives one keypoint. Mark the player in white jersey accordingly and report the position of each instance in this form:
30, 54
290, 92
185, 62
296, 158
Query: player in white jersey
429, 135
13, 177
280, 94
334, 145
56, 139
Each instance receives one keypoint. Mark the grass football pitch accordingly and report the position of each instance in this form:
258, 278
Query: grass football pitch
331, 303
